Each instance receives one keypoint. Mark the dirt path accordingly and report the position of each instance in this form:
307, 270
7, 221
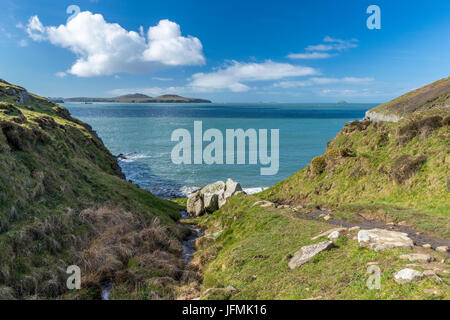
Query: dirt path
419, 238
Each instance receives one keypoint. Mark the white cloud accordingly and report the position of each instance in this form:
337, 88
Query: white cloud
60, 74
154, 91
166, 45
233, 77
322, 81
310, 55
23, 43
333, 44
106, 48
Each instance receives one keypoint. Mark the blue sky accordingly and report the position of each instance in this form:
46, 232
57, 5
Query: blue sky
227, 51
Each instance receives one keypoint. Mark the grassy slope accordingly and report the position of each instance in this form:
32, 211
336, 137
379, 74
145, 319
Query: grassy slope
433, 95
389, 171
251, 248
386, 171
51, 168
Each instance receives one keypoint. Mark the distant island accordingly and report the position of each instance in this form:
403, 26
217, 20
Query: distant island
134, 98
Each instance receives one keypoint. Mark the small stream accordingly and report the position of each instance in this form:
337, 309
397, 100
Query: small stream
188, 245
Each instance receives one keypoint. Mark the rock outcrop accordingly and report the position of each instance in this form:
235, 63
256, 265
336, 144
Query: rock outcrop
407, 275
211, 197
380, 239
306, 253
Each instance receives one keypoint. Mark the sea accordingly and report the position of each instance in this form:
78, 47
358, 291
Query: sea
141, 134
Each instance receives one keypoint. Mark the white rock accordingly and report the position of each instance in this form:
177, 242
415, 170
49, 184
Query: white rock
380, 239
231, 187
443, 249
427, 246
407, 275
417, 257
334, 236
264, 204
195, 206
306, 253
355, 228
328, 232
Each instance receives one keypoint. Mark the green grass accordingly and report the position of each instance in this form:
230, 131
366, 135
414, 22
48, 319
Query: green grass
251, 254
360, 168
51, 168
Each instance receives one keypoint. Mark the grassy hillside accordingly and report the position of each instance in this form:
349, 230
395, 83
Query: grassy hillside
428, 97
382, 173
63, 201
382, 170
248, 247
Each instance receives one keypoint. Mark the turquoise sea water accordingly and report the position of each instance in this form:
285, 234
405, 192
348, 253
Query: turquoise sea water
142, 132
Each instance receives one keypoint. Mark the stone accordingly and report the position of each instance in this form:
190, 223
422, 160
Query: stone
327, 217
432, 275
407, 275
306, 253
264, 204
334, 236
231, 187
194, 205
328, 232
355, 228
443, 249
213, 188
427, 246
380, 239
417, 257
211, 202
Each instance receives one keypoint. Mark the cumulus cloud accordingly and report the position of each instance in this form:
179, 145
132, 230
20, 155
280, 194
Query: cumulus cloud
237, 74
234, 77
105, 48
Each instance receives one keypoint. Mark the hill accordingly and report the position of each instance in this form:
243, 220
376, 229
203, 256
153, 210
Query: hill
436, 94
374, 174
140, 98
63, 201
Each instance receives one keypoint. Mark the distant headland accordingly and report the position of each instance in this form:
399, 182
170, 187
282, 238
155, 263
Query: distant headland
134, 98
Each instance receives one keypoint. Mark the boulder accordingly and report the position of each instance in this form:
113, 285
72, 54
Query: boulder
334, 236
443, 249
380, 239
195, 206
407, 275
212, 197
328, 232
417, 257
231, 187
211, 202
306, 253
213, 188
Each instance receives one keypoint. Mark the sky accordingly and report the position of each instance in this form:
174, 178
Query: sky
226, 51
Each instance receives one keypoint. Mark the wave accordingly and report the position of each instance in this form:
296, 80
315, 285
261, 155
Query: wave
131, 157
186, 191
